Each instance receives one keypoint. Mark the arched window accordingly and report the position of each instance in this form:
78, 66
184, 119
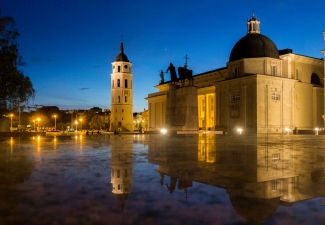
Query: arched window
315, 79
125, 98
118, 99
275, 96
126, 83
118, 83
118, 69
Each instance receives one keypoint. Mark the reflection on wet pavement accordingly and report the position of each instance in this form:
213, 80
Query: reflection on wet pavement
158, 179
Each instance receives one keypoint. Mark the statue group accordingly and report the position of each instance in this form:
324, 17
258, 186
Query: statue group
183, 73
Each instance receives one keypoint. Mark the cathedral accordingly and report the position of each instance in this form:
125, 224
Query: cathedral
261, 90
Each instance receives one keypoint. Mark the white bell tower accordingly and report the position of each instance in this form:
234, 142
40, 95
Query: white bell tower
121, 93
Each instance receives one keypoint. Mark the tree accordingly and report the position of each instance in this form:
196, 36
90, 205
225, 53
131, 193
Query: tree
15, 87
96, 122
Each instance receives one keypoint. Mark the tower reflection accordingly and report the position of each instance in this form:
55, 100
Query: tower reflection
121, 170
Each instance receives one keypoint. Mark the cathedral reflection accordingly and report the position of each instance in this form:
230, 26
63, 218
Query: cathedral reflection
259, 174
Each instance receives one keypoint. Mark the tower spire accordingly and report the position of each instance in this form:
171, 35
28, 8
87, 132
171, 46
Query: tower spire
121, 47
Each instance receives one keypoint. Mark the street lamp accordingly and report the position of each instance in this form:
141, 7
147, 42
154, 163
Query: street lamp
11, 115
81, 123
76, 125
38, 119
54, 122
316, 130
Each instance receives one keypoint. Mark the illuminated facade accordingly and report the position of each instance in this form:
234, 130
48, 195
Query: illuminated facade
262, 90
121, 93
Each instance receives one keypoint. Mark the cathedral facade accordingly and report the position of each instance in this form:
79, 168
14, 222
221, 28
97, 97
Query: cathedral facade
261, 90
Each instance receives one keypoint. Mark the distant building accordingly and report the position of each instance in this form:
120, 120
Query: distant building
261, 90
121, 93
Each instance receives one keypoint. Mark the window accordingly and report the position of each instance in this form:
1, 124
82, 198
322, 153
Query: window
118, 99
275, 96
118, 83
118, 69
235, 97
315, 79
274, 186
125, 98
122, 118
126, 83
126, 173
236, 71
273, 70
275, 158
122, 110
119, 187
113, 84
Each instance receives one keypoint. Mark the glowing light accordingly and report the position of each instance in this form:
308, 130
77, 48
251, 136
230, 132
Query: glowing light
287, 130
163, 131
316, 130
239, 130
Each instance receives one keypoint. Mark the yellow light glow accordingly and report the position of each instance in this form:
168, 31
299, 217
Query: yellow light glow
163, 131
239, 130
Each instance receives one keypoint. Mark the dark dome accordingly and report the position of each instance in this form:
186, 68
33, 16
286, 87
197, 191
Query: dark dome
121, 57
254, 46
254, 209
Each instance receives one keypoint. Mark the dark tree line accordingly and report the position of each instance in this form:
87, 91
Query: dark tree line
15, 87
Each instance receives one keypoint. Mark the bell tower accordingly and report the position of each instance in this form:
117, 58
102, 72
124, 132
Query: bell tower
121, 93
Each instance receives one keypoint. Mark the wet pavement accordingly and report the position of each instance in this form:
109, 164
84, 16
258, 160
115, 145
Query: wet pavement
162, 179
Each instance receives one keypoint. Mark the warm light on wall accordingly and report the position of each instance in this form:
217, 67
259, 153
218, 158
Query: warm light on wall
239, 130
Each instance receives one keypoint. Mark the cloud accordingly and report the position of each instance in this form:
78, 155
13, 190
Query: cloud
41, 60
83, 88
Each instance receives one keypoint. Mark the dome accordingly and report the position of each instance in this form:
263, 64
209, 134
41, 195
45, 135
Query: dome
254, 46
121, 57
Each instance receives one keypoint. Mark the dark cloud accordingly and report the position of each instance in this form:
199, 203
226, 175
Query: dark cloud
41, 60
83, 88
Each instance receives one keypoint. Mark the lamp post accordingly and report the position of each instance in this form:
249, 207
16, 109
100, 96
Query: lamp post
54, 122
76, 125
11, 115
316, 130
38, 119
81, 124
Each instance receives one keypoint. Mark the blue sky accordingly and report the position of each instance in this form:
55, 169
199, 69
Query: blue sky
68, 45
